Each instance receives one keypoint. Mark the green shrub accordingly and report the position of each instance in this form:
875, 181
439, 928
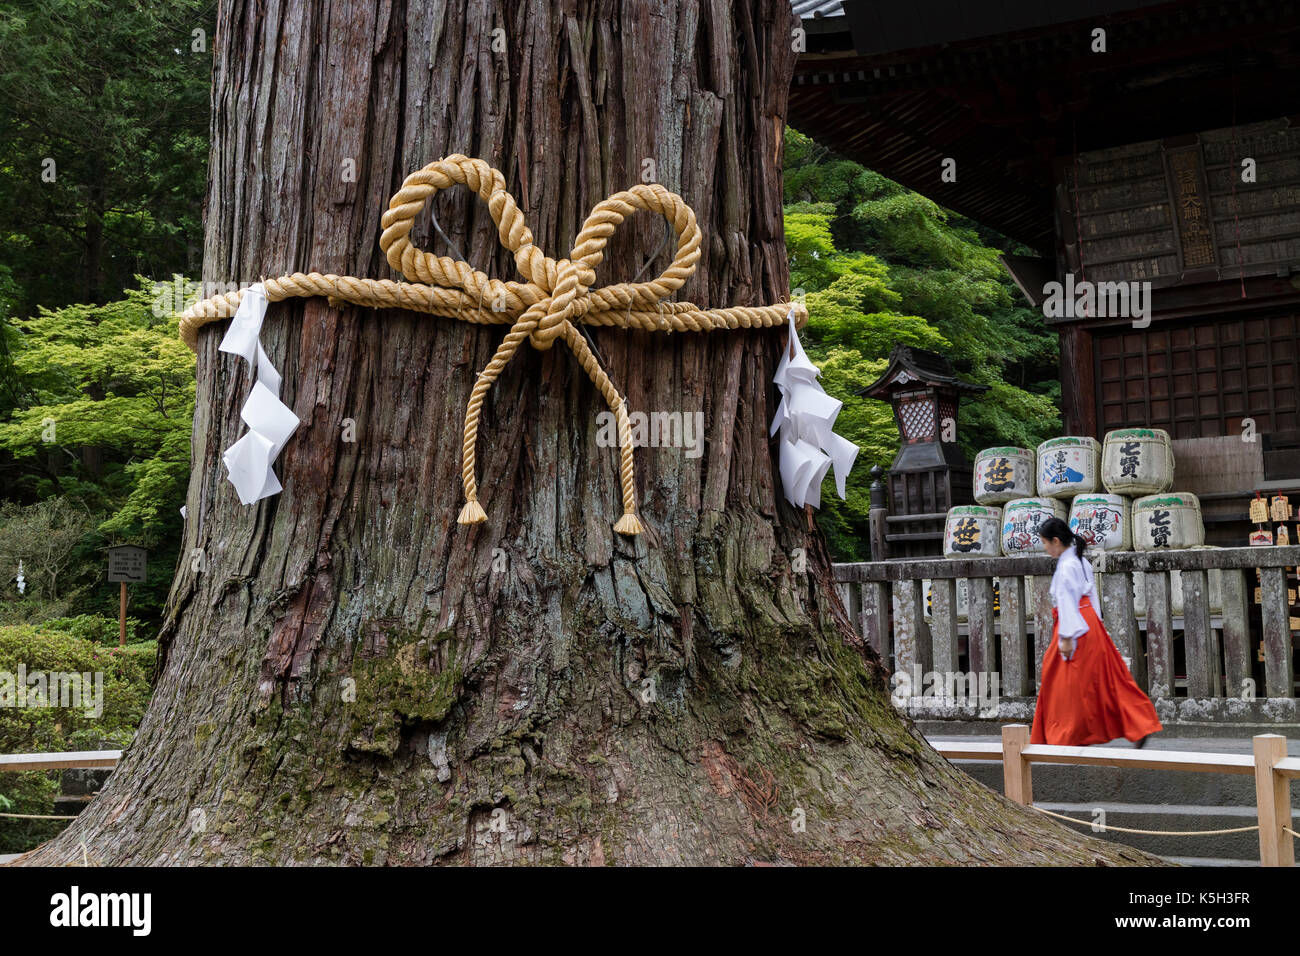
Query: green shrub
28, 793
94, 627
127, 675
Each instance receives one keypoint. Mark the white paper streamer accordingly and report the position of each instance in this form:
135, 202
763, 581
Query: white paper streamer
805, 418
270, 421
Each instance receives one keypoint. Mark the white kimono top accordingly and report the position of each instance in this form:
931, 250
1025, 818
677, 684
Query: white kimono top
1073, 580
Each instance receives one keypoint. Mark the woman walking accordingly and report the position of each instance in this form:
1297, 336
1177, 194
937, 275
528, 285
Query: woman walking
1087, 695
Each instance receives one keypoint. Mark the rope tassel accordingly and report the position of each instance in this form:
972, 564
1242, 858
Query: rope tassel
555, 298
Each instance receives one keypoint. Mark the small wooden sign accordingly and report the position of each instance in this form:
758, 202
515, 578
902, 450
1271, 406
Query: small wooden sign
126, 563
1280, 508
1258, 511
1262, 537
1190, 193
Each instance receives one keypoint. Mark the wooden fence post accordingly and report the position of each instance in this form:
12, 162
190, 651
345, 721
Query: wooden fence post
1017, 667
1273, 802
877, 514
1017, 783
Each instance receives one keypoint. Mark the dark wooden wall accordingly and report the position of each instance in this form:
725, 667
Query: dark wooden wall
1222, 257
1200, 379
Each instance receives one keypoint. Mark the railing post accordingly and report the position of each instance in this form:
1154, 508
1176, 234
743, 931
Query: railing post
943, 625
1043, 623
1236, 634
1160, 635
1017, 669
981, 627
1199, 644
874, 598
1117, 614
1278, 679
1273, 802
911, 635
847, 593
1017, 782
877, 514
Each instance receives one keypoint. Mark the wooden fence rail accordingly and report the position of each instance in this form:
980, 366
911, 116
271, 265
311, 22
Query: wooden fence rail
1272, 769
886, 601
72, 760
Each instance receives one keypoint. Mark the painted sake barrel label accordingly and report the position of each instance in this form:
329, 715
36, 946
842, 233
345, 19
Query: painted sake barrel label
1068, 467
1102, 521
1137, 461
971, 531
1002, 474
1167, 521
1021, 520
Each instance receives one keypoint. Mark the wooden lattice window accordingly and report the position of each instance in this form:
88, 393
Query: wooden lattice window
917, 417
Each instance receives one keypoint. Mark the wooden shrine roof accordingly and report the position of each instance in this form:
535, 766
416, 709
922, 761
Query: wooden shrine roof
901, 87
908, 365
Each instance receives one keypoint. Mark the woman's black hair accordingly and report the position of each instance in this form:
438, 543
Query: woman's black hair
1058, 530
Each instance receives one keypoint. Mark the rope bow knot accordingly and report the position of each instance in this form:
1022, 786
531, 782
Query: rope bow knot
556, 296
557, 293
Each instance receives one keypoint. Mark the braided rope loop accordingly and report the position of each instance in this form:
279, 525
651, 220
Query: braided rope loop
547, 307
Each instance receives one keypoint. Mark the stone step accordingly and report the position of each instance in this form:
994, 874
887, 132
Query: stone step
72, 804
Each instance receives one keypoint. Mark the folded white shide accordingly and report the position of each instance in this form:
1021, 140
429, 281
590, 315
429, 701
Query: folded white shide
806, 417
270, 421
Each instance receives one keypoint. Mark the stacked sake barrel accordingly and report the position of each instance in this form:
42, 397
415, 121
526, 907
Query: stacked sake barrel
1099, 513
1115, 495
1021, 520
972, 531
1139, 463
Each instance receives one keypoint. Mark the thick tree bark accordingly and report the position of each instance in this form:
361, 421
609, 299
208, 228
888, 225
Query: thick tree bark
353, 677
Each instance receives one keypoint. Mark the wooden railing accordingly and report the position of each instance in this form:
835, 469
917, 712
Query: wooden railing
1272, 769
884, 599
72, 760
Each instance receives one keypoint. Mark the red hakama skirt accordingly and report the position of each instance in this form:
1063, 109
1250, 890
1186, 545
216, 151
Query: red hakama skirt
1091, 698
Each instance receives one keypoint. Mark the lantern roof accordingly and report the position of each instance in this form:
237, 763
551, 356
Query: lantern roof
911, 368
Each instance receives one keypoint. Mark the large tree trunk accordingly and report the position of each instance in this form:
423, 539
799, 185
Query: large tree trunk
353, 677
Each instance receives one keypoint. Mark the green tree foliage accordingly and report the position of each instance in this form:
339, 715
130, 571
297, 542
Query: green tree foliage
104, 430
103, 144
881, 266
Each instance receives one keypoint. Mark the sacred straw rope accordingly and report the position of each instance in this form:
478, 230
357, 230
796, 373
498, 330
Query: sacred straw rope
548, 306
